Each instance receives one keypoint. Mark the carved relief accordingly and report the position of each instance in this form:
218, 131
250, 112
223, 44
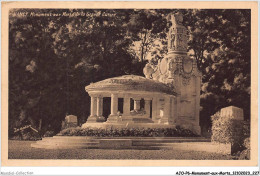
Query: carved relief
185, 68
185, 80
172, 41
173, 68
187, 65
163, 66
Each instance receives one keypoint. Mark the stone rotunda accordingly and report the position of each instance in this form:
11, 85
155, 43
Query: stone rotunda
167, 96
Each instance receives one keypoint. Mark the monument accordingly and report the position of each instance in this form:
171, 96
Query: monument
232, 112
70, 121
170, 91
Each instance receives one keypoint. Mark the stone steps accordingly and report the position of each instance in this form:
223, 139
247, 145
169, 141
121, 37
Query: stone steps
137, 138
162, 141
134, 143
59, 143
196, 146
55, 146
69, 140
82, 142
51, 142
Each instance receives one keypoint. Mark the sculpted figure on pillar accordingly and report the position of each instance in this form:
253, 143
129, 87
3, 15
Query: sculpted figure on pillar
176, 18
177, 37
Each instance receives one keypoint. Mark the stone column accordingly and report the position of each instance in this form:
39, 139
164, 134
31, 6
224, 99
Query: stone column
136, 104
154, 109
114, 108
100, 117
196, 127
197, 101
114, 104
174, 109
147, 107
99, 106
93, 109
167, 111
126, 108
93, 106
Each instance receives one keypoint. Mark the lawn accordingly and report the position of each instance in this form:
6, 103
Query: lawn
23, 150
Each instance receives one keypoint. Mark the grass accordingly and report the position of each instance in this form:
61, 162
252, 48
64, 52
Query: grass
23, 150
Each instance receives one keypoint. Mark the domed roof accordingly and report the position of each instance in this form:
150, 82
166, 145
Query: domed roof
130, 83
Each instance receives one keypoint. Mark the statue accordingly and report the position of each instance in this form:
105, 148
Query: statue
148, 70
176, 18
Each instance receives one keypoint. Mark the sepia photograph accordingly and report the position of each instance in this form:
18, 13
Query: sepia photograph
147, 84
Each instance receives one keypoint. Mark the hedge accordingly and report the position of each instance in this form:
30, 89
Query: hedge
128, 132
245, 154
228, 130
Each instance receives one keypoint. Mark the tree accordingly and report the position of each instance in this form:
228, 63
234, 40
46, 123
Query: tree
221, 47
146, 26
52, 59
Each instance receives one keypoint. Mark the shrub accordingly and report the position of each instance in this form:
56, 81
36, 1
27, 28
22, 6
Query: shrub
245, 154
27, 134
49, 134
228, 130
127, 132
30, 136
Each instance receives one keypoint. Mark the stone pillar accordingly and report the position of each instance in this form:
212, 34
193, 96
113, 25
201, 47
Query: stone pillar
93, 106
178, 106
126, 108
100, 117
147, 107
166, 119
136, 104
197, 101
154, 109
196, 127
174, 109
99, 106
114, 104
113, 117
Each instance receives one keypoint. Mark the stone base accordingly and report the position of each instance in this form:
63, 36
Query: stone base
190, 124
196, 130
93, 119
125, 125
165, 121
129, 119
113, 119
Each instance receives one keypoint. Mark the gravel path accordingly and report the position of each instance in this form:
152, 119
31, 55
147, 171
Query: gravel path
23, 150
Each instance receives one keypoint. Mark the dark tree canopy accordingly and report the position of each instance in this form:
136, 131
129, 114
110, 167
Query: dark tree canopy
52, 58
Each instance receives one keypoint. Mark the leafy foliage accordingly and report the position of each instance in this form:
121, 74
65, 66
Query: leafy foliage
220, 43
127, 132
228, 130
245, 154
